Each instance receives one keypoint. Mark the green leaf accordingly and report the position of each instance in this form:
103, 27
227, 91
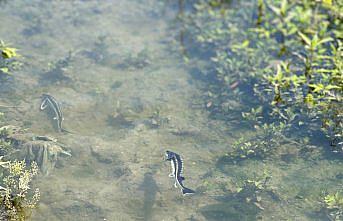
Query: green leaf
245, 43
317, 87
275, 10
309, 99
314, 42
327, 2
330, 87
9, 52
305, 38
279, 74
324, 40
284, 6
4, 70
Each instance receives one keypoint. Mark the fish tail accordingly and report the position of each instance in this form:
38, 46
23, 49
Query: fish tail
186, 191
66, 131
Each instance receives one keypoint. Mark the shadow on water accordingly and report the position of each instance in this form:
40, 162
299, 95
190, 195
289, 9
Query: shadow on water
230, 208
150, 189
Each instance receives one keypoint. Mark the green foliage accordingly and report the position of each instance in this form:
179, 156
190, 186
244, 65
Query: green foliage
334, 204
334, 201
253, 190
289, 62
7, 58
16, 197
308, 80
264, 144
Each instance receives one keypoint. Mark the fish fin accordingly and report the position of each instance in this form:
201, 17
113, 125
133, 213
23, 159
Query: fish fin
66, 153
171, 175
187, 191
182, 178
55, 118
66, 131
175, 185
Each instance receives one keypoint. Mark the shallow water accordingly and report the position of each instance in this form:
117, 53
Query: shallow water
127, 97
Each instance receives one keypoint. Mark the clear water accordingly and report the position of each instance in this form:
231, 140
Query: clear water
127, 96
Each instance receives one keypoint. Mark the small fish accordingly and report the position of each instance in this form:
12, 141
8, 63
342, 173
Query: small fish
50, 101
177, 170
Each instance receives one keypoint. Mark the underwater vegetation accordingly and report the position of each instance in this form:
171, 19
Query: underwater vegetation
242, 199
57, 72
286, 66
274, 68
334, 205
129, 115
134, 61
253, 191
99, 52
16, 194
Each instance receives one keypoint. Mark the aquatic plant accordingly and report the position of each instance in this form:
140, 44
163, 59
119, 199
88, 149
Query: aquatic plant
309, 80
16, 197
138, 60
8, 57
334, 205
5, 145
100, 51
287, 64
57, 71
334, 201
252, 190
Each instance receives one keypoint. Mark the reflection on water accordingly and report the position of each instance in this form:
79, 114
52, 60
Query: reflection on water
127, 96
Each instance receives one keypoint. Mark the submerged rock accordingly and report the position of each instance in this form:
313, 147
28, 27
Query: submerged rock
43, 150
44, 153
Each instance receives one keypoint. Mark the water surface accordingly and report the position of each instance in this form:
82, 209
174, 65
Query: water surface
128, 96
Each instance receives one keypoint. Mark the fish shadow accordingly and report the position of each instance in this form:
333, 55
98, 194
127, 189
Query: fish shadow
150, 189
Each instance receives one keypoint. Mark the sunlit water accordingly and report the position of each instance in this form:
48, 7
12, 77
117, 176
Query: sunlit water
127, 97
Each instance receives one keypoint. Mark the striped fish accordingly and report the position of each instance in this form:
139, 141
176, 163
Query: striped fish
51, 102
177, 170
